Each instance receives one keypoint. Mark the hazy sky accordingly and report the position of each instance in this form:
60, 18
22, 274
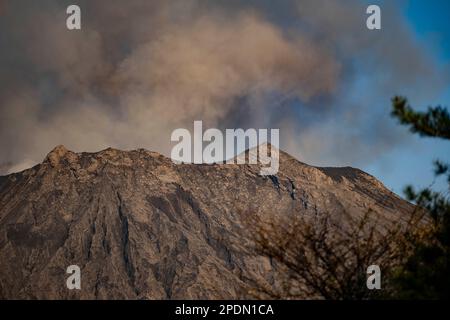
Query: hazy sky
139, 69
430, 23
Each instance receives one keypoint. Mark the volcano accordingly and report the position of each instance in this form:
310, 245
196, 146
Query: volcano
141, 227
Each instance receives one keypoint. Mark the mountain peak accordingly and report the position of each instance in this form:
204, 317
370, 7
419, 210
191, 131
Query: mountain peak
58, 153
142, 227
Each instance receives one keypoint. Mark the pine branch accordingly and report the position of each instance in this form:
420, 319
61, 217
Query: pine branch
435, 122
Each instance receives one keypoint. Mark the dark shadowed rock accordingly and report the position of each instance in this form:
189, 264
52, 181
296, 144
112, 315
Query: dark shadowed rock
141, 227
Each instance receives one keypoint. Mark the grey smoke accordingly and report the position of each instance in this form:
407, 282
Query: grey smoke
139, 69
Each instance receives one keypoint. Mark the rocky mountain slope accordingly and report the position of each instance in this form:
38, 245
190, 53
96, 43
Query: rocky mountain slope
141, 227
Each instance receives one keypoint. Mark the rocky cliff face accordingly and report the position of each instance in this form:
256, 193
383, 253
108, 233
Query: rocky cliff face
141, 227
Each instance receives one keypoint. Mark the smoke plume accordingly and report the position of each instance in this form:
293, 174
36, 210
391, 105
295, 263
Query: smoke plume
139, 69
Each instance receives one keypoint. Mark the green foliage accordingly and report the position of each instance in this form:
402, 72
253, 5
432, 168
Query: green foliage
435, 122
426, 274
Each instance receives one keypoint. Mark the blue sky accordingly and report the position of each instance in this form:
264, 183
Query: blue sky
411, 164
